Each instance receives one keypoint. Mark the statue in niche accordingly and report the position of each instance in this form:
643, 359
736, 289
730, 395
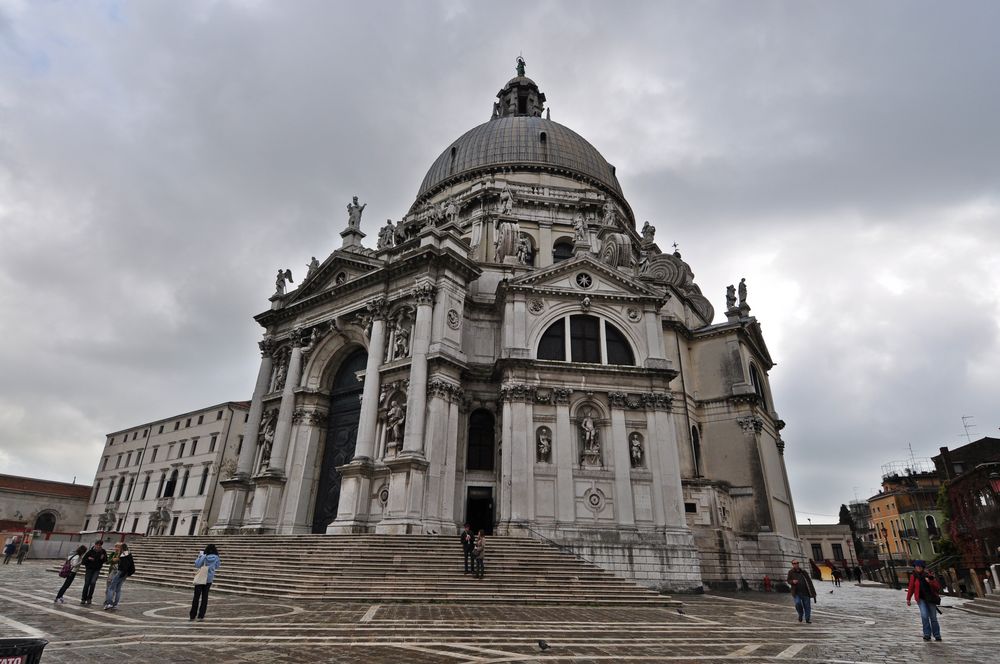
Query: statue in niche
279, 281
524, 255
730, 296
312, 267
507, 232
544, 444
635, 449
354, 213
267, 440
386, 236
506, 201
648, 232
591, 444
609, 213
280, 372
743, 292
395, 419
580, 226
401, 343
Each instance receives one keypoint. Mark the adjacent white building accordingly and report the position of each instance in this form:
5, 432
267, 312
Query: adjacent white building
160, 478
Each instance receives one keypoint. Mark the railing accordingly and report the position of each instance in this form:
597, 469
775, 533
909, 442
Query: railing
561, 547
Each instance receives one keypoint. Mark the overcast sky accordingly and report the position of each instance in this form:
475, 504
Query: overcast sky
159, 160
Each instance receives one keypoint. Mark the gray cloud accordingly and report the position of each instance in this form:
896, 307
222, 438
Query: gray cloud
158, 161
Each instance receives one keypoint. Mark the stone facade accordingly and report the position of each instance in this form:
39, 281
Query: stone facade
161, 478
27, 503
515, 354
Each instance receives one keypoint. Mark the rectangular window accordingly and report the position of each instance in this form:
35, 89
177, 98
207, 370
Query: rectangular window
817, 550
211, 443
173, 526
585, 339
204, 481
194, 447
118, 461
177, 425
161, 429
86, 525
218, 415
154, 455
135, 524
246, 417
192, 529
145, 433
93, 498
239, 446
145, 488
691, 508
201, 418
104, 466
180, 452
134, 434
838, 552
188, 423
128, 459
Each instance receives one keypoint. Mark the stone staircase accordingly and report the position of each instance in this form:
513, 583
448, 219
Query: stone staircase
983, 606
381, 569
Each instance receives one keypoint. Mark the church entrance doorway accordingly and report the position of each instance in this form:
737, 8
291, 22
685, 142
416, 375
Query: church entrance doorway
479, 509
341, 436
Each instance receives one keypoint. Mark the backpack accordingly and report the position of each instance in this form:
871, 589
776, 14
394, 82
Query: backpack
67, 568
927, 592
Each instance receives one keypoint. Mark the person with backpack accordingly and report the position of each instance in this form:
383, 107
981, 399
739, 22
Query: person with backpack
125, 569
479, 555
68, 572
9, 550
926, 589
468, 543
93, 561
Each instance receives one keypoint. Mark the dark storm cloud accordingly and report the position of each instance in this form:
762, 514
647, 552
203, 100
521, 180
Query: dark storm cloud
159, 160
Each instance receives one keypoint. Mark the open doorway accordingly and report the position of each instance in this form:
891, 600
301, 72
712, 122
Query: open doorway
479, 509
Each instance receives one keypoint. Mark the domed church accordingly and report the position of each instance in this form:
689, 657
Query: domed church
515, 354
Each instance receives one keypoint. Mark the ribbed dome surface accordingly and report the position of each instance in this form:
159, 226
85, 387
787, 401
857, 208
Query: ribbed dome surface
517, 140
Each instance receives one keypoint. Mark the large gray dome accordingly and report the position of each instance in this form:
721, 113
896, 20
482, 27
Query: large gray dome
520, 141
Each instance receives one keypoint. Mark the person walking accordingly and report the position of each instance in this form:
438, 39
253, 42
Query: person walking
124, 568
468, 544
479, 555
837, 576
10, 549
74, 561
802, 591
925, 588
22, 550
93, 561
206, 563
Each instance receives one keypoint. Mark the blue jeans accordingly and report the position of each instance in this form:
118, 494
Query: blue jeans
115, 584
803, 607
928, 619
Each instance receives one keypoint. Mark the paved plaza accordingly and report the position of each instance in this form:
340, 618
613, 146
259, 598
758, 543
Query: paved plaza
853, 624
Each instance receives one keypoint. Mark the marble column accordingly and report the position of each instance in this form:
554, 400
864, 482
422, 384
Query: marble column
236, 488
368, 423
416, 399
283, 428
625, 507
567, 457
244, 465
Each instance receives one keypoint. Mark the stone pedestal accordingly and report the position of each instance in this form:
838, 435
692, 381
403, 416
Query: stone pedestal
351, 238
355, 497
406, 493
233, 506
266, 504
581, 247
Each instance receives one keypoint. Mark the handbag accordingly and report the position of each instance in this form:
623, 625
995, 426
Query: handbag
201, 576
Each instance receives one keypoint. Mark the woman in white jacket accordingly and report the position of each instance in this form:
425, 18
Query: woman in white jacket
74, 565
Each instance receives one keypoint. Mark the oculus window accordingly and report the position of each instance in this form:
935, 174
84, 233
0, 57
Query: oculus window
590, 340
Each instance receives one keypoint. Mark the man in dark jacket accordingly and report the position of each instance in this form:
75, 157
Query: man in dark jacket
93, 561
802, 591
468, 542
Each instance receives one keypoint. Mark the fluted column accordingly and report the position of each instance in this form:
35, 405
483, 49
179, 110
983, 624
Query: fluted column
283, 428
368, 423
416, 401
244, 465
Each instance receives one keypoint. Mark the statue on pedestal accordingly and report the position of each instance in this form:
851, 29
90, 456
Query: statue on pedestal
520, 66
591, 444
580, 226
635, 449
730, 297
354, 213
395, 419
544, 444
648, 232
609, 213
506, 201
743, 292
312, 267
524, 251
386, 236
279, 281
401, 344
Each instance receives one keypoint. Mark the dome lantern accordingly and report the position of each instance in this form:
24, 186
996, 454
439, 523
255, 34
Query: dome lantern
519, 97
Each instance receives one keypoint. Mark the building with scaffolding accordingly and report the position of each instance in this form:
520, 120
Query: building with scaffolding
904, 514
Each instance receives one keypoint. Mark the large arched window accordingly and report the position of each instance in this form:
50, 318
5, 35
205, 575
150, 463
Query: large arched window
562, 250
591, 340
46, 522
481, 438
758, 385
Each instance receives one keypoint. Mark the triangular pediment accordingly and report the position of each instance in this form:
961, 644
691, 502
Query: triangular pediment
605, 280
756, 337
339, 268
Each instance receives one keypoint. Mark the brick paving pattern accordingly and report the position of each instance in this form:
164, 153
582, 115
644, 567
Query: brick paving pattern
852, 625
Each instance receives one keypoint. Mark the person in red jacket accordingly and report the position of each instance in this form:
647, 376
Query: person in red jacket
925, 588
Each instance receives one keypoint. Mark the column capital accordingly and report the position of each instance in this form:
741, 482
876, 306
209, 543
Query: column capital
424, 292
378, 308
267, 346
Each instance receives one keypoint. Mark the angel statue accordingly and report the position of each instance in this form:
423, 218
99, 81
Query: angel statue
279, 281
